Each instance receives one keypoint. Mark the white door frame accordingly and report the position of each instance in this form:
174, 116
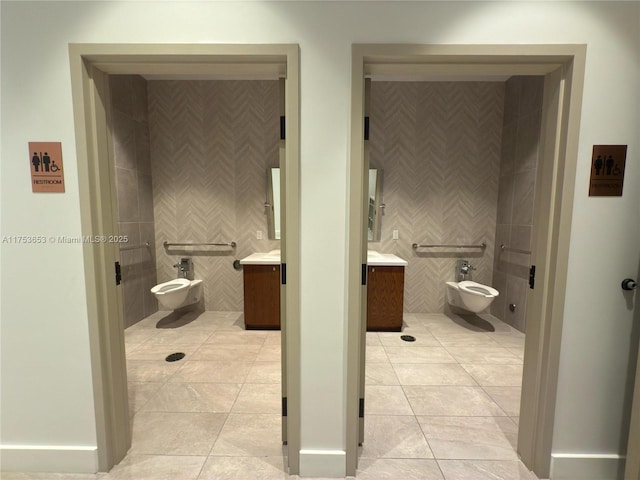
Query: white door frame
90, 66
632, 463
563, 68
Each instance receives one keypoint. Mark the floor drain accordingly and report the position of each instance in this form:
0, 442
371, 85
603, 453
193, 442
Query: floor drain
408, 338
174, 357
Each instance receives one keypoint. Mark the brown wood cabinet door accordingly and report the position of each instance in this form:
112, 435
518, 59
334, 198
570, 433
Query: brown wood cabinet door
385, 295
262, 297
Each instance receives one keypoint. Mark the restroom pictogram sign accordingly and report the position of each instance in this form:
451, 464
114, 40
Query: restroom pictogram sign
45, 162
607, 170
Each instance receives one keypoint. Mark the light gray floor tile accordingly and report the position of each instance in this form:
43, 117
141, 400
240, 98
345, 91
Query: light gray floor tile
175, 433
186, 322
250, 435
149, 351
469, 438
178, 336
509, 340
140, 393
269, 353
398, 469
419, 355
432, 374
274, 338
230, 353
259, 398
518, 352
380, 374
507, 397
373, 340
49, 476
197, 371
241, 337
265, 372
194, 397
386, 400
394, 436
450, 339
376, 354
483, 355
243, 468
451, 401
484, 470
496, 375
136, 336
150, 370
393, 339
157, 467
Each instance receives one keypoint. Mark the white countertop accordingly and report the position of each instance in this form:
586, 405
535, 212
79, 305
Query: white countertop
378, 259
262, 258
373, 258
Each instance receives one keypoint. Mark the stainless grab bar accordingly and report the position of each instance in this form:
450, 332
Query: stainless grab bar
134, 247
482, 245
517, 250
196, 244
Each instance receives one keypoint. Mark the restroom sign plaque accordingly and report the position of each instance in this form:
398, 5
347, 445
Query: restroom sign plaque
607, 170
45, 163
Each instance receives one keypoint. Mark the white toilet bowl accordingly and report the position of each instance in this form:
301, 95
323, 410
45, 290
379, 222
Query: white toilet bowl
177, 293
469, 295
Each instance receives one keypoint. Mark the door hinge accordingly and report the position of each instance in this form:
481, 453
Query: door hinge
283, 273
364, 274
118, 273
532, 276
282, 127
366, 128
361, 408
284, 406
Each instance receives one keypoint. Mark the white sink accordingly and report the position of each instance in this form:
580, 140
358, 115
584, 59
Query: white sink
262, 258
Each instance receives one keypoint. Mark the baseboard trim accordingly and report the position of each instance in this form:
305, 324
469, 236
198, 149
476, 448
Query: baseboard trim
48, 458
575, 466
323, 463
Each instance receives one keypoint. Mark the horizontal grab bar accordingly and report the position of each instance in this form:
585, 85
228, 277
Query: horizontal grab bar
133, 247
517, 250
196, 244
482, 245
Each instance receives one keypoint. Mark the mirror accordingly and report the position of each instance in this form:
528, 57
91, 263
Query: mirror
272, 205
376, 208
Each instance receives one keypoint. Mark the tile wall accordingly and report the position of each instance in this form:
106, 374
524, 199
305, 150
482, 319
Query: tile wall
211, 143
438, 144
130, 137
518, 168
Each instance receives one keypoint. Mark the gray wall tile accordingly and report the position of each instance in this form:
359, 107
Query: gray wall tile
130, 138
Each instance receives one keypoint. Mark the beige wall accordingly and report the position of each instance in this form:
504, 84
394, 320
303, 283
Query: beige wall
438, 144
130, 135
211, 145
518, 167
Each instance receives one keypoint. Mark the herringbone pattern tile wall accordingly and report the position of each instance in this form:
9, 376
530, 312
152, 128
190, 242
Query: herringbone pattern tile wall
211, 145
438, 144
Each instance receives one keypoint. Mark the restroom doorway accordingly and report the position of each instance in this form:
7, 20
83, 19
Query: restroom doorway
562, 68
91, 67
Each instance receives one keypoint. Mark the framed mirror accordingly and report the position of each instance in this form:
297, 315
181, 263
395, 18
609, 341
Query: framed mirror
272, 205
376, 207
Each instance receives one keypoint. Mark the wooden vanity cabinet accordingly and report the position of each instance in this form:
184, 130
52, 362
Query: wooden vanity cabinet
262, 297
385, 296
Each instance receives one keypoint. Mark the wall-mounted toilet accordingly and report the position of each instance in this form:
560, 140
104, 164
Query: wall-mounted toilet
470, 296
178, 293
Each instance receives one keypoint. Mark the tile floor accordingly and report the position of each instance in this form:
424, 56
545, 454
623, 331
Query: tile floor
441, 408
